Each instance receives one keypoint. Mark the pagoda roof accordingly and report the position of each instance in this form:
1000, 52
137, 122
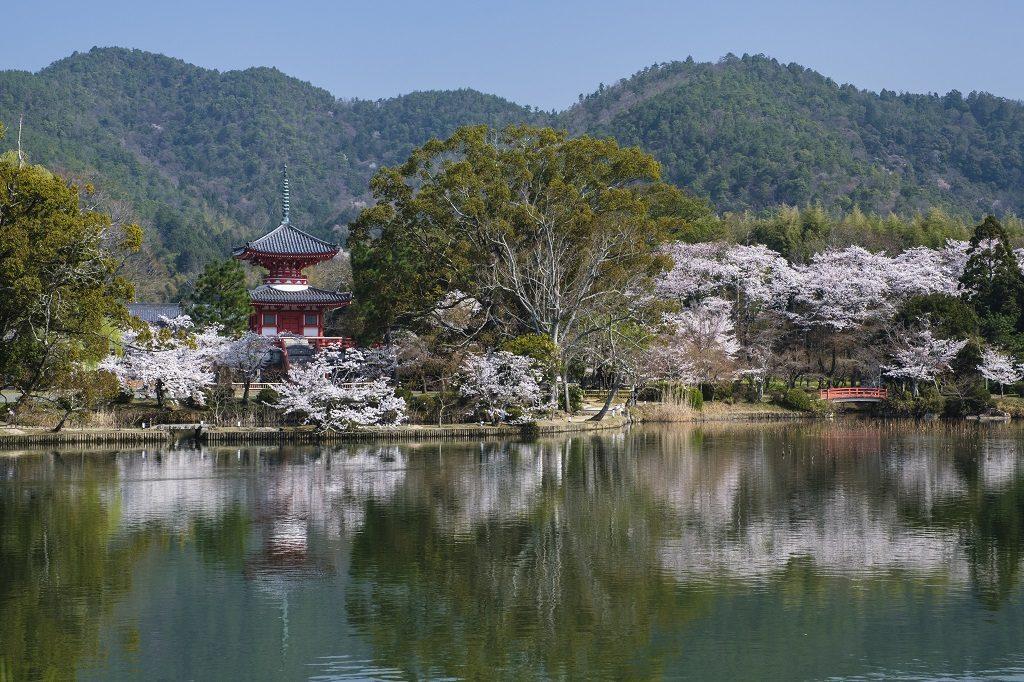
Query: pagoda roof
287, 240
270, 294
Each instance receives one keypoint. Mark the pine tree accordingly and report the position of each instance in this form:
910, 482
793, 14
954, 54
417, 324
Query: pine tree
993, 284
220, 297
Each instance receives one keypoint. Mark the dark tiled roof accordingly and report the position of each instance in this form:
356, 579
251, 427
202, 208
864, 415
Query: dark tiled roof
268, 294
285, 239
152, 312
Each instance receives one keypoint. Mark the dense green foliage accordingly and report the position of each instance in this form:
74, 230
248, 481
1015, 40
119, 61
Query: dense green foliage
196, 152
60, 288
799, 399
750, 132
994, 285
220, 296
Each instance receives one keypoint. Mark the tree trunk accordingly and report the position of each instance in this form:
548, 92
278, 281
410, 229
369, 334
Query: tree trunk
60, 424
245, 391
607, 402
565, 391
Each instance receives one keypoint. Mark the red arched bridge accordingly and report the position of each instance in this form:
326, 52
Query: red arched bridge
854, 394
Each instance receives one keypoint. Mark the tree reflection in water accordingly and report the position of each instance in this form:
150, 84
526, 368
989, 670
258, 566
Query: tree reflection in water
790, 550
625, 545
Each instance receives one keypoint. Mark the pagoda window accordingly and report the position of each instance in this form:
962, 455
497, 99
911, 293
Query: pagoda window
270, 319
312, 320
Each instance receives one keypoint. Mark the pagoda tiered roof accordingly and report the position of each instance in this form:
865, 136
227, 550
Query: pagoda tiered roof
308, 295
288, 240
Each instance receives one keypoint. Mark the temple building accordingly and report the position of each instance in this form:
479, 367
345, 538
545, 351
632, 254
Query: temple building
285, 304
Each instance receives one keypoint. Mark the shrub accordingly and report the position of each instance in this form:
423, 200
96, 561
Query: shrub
904, 404
800, 400
723, 391
575, 399
268, 396
696, 399
974, 399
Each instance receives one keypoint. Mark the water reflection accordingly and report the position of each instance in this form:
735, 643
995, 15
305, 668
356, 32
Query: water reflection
786, 551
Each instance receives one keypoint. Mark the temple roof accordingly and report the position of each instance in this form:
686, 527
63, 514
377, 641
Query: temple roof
287, 240
268, 294
154, 312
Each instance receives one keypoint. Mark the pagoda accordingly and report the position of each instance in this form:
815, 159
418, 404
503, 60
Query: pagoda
285, 304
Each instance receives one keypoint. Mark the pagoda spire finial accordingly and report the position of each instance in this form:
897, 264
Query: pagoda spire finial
285, 197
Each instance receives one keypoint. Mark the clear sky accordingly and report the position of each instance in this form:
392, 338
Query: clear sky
539, 53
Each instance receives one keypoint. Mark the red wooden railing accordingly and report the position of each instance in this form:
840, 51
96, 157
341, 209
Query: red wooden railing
333, 341
853, 393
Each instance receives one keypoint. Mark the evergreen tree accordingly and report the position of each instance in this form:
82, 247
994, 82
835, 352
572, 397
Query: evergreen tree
993, 284
220, 297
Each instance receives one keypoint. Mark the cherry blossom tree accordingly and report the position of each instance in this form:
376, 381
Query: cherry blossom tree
705, 334
502, 386
922, 270
327, 392
842, 288
999, 367
697, 270
762, 276
246, 356
173, 361
920, 357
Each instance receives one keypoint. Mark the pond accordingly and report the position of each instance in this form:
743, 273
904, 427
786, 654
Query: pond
797, 551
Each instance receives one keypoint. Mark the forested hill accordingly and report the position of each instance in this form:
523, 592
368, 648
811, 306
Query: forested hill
751, 132
197, 153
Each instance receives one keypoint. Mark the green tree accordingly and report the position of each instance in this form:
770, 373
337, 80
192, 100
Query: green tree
220, 297
950, 316
546, 232
60, 288
993, 284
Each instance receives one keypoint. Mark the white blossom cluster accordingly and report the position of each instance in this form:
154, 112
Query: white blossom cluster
838, 288
922, 357
499, 381
176, 361
328, 391
1000, 367
700, 343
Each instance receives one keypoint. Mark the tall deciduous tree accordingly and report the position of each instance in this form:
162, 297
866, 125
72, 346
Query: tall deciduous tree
220, 297
60, 288
544, 231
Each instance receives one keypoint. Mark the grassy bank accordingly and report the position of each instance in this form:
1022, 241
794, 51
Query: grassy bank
665, 413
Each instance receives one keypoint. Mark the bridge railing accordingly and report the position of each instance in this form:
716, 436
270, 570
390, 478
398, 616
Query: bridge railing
854, 393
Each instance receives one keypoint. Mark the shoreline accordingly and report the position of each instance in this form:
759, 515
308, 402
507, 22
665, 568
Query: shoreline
15, 437
11, 438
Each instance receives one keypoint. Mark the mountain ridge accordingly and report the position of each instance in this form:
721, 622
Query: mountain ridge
196, 152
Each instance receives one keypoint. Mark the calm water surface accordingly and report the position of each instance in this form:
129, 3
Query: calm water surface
735, 552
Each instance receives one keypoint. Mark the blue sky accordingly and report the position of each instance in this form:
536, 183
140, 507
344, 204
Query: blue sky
539, 53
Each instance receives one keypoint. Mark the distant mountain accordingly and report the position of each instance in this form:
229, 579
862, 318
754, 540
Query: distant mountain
196, 153
750, 133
